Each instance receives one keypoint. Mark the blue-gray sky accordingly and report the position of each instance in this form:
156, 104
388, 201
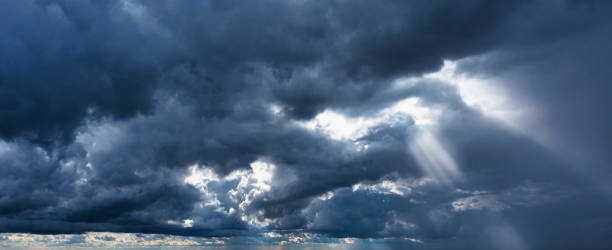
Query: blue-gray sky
306, 124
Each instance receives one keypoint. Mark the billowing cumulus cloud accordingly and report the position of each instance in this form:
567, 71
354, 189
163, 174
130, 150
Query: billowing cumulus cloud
355, 124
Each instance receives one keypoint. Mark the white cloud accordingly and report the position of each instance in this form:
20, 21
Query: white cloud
478, 202
402, 187
250, 185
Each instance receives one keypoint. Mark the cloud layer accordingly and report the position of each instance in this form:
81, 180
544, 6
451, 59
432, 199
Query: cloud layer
439, 124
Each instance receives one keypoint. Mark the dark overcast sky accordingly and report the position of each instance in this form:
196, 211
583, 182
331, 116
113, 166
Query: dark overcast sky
362, 124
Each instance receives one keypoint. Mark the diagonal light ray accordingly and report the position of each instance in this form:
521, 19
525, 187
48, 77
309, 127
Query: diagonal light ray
433, 158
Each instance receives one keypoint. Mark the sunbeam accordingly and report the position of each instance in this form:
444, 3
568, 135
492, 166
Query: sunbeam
433, 159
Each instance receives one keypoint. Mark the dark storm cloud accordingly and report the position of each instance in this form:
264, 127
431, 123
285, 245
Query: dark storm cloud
356, 54
105, 105
63, 60
356, 51
30, 179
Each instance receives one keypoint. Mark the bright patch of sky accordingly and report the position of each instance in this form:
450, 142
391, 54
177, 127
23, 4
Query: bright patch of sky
481, 94
271, 240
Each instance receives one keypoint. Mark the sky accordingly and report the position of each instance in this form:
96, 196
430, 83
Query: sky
305, 124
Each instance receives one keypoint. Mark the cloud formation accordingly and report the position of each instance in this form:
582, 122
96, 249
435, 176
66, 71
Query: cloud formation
439, 124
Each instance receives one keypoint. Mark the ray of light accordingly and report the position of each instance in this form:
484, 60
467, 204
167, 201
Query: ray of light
433, 158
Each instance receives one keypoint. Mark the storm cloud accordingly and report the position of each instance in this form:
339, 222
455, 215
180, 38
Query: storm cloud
435, 124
